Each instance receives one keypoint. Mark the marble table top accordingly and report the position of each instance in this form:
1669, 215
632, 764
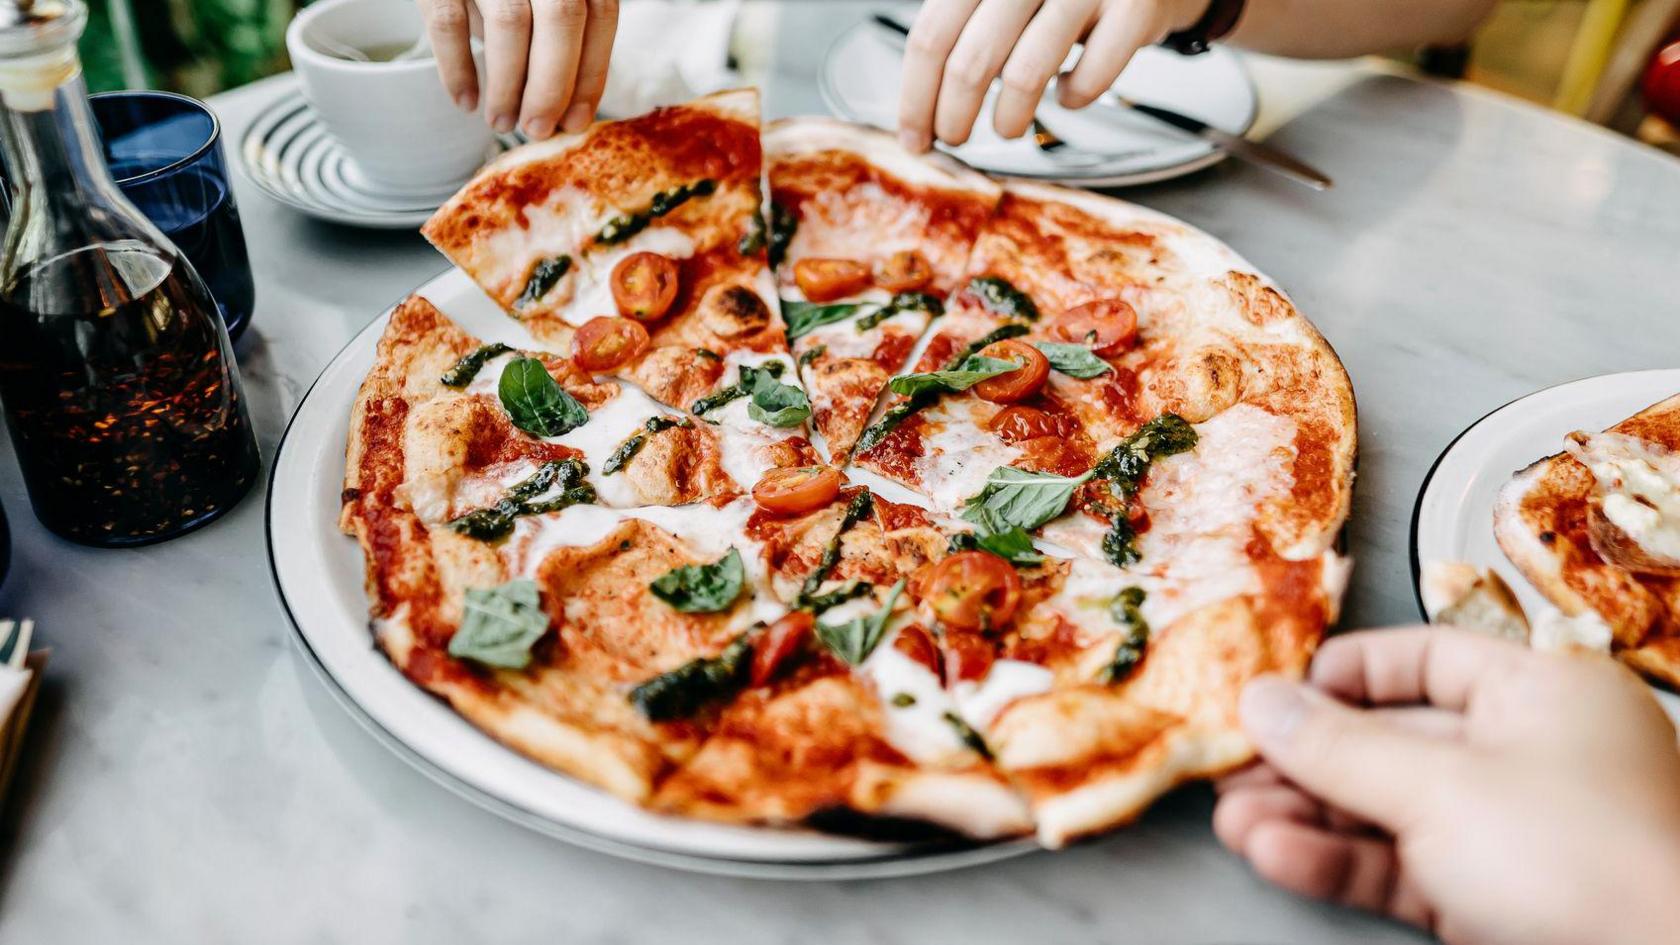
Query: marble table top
190, 780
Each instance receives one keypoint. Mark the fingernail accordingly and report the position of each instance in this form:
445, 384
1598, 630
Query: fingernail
502, 123
1272, 707
467, 101
538, 128
578, 116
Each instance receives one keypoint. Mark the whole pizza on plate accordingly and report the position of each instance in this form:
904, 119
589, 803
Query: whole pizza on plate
844, 483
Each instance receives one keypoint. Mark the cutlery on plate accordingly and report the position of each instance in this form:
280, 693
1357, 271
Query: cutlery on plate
1260, 155
1254, 152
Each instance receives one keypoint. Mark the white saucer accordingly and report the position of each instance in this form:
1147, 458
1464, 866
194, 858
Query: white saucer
289, 155
860, 81
1453, 520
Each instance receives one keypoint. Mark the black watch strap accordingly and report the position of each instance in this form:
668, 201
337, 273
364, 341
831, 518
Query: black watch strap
1219, 20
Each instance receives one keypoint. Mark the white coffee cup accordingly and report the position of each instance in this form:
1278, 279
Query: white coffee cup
396, 122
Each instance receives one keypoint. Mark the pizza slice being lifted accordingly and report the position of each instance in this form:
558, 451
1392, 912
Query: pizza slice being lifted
868, 241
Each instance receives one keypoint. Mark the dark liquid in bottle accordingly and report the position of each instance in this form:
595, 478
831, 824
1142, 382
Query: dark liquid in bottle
122, 403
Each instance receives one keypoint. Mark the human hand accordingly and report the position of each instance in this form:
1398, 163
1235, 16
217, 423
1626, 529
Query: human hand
545, 61
1468, 785
957, 47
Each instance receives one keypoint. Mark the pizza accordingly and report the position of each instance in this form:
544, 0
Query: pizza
1596, 528
869, 242
1048, 523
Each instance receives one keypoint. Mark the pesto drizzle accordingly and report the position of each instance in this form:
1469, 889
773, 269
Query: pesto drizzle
1129, 652
808, 599
627, 450
470, 364
1000, 297
624, 226
783, 224
902, 302
494, 522
684, 691
543, 277
896, 415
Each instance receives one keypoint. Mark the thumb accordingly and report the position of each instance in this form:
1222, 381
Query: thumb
1352, 759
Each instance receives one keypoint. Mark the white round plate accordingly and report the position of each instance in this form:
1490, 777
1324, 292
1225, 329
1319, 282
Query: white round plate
318, 573
1109, 146
1453, 519
289, 155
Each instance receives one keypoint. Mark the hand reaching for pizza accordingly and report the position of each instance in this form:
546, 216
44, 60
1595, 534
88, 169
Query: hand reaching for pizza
1468, 785
545, 61
957, 47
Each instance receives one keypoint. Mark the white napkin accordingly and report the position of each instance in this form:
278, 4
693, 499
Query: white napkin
668, 51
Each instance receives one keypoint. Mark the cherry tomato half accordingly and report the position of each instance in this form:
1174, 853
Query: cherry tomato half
1109, 326
605, 342
1662, 83
1019, 424
797, 490
968, 657
904, 271
1018, 384
972, 590
915, 642
644, 285
824, 280
780, 644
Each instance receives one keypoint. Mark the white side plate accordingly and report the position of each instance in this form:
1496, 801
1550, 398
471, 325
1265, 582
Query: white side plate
318, 573
860, 81
1453, 520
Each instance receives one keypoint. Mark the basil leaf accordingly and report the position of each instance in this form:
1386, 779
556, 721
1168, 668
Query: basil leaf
702, 588
500, 625
686, 690
1000, 297
1012, 545
774, 403
470, 364
1073, 360
855, 639
1018, 498
974, 369
1126, 611
535, 403
802, 318
898, 413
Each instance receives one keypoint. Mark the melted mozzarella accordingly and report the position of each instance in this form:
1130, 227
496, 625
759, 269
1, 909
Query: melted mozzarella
957, 456
843, 340
741, 439
1554, 631
920, 729
488, 380
552, 228
1006, 681
610, 424
1639, 484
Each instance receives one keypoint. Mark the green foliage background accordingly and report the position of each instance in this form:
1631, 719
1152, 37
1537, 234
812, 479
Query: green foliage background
194, 46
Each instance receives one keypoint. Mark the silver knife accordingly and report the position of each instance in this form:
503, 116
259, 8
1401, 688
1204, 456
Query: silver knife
1260, 155
1254, 152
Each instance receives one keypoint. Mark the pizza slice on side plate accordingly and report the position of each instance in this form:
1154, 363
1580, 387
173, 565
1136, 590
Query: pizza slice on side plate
868, 241
1597, 529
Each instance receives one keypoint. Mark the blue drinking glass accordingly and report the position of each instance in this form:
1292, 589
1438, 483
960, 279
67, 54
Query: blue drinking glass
165, 152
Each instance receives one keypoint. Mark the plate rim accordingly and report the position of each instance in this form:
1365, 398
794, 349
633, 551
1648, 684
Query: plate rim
831, 99
906, 862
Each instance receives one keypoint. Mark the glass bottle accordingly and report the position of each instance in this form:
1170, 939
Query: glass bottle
116, 373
